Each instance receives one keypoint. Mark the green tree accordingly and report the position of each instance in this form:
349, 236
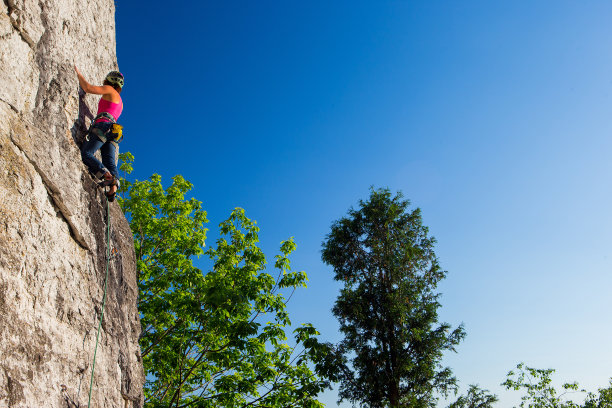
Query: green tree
540, 393
475, 398
388, 307
603, 399
215, 339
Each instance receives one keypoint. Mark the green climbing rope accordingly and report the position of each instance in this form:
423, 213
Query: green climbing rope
108, 254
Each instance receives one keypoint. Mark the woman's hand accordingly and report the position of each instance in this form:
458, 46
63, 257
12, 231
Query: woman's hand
82, 82
105, 90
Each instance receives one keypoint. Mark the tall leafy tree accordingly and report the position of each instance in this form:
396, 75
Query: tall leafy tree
603, 399
475, 397
540, 392
388, 307
215, 338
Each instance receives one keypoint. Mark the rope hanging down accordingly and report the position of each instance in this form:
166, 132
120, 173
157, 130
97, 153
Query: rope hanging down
108, 258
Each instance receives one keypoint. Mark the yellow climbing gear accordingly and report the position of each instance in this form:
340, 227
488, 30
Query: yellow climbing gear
116, 133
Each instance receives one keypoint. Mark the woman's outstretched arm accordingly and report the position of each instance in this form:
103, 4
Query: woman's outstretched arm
92, 89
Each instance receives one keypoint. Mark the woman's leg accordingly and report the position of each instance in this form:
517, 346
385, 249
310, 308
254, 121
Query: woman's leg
109, 158
89, 148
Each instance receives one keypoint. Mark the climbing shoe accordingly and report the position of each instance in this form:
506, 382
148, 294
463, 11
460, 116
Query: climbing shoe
108, 180
110, 196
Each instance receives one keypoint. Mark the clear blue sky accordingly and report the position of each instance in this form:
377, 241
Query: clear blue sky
493, 117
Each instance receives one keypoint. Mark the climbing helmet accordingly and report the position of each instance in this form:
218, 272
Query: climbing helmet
115, 78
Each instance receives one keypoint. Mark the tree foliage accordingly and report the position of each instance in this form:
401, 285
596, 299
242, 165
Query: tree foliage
215, 339
540, 393
536, 383
388, 307
603, 398
475, 398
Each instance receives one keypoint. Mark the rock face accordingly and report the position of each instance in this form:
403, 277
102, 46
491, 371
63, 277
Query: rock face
53, 217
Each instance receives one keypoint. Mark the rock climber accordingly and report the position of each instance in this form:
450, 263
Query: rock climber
109, 109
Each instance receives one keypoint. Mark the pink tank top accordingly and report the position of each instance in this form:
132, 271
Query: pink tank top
114, 109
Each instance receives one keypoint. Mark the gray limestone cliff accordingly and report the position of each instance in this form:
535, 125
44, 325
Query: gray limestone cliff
52, 217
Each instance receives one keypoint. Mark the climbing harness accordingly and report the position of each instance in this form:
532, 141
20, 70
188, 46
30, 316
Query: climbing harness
110, 253
105, 115
114, 134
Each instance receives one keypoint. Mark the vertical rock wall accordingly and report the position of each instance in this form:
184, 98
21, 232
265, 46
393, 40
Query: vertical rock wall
53, 219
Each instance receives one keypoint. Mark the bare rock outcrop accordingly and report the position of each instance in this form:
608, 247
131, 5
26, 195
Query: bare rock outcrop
53, 217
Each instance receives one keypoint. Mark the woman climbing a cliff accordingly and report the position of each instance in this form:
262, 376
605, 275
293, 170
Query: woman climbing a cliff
109, 109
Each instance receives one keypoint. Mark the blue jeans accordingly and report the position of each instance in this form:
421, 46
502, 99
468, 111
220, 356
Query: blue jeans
107, 150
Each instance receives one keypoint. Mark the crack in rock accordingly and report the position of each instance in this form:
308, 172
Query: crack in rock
55, 195
12, 9
10, 105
